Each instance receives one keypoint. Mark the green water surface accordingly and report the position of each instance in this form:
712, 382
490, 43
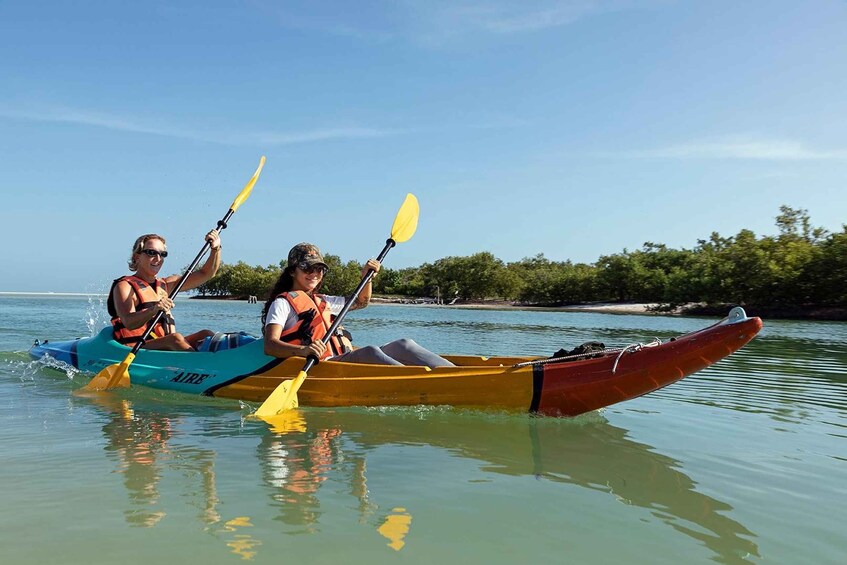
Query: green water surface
742, 462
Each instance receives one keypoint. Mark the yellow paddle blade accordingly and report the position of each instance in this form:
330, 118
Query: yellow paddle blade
284, 397
116, 375
406, 221
248, 188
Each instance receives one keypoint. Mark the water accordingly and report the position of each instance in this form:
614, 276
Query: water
742, 462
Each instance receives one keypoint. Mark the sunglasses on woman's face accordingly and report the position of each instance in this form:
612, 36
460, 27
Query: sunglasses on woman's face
154, 253
309, 269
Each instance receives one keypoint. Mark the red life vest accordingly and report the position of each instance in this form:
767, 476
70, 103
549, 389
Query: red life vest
147, 297
313, 322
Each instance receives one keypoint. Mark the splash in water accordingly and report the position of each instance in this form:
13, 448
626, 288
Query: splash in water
95, 314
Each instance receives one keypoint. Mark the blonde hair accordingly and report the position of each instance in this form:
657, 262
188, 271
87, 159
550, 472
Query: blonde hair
139, 245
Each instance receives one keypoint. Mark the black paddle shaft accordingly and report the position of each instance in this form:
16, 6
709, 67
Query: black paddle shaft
220, 227
312, 360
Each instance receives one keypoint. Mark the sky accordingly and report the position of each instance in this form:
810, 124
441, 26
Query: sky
575, 129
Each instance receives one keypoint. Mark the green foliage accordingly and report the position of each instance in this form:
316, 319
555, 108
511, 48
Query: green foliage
539, 278
800, 266
240, 280
826, 273
342, 278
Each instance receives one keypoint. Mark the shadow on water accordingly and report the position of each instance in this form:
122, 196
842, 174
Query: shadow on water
317, 446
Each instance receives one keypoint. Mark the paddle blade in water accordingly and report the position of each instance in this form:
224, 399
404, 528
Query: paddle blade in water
248, 188
284, 397
113, 376
406, 221
287, 422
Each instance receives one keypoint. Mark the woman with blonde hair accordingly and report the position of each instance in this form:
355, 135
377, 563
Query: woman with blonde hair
136, 299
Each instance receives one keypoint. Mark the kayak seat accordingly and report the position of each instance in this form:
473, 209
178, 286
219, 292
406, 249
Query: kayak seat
225, 340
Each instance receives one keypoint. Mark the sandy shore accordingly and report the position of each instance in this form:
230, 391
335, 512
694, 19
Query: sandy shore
605, 307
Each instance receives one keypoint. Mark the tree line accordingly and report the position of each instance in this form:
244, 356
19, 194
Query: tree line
800, 267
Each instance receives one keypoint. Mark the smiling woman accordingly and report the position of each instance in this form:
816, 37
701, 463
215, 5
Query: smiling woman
296, 318
136, 299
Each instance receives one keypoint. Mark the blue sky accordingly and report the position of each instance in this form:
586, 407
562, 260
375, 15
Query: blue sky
569, 128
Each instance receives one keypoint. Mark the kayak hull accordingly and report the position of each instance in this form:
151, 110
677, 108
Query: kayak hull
522, 384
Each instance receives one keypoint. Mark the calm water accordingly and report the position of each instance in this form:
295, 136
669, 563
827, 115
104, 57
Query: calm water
743, 462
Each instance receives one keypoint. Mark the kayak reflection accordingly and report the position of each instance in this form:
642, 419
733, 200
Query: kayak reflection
588, 452
321, 459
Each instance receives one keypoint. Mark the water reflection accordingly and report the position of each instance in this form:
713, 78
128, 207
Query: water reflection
295, 466
396, 527
243, 545
138, 443
602, 457
786, 379
325, 447
591, 453
140, 440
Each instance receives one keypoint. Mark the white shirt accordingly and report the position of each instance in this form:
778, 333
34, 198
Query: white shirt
281, 313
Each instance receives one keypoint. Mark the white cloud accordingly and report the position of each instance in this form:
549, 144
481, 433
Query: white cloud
431, 21
516, 17
87, 117
740, 148
155, 127
288, 138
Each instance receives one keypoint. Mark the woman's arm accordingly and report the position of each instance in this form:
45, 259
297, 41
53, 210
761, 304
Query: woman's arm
209, 268
364, 297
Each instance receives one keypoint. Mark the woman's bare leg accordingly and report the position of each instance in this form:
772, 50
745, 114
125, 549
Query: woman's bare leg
171, 342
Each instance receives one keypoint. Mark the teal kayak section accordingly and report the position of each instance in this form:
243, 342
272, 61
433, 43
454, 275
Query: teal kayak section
184, 371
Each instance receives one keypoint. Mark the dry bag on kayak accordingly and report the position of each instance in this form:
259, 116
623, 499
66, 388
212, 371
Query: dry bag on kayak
222, 340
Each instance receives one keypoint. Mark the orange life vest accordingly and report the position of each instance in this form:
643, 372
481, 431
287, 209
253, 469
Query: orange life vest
313, 322
147, 296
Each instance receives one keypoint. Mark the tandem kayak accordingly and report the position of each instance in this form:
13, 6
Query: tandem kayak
562, 386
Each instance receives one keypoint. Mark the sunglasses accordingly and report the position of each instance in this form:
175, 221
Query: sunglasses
309, 269
154, 253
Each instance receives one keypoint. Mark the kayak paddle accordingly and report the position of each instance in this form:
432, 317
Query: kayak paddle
284, 397
117, 375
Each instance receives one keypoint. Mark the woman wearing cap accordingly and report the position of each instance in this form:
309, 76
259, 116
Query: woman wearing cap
296, 318
134, 300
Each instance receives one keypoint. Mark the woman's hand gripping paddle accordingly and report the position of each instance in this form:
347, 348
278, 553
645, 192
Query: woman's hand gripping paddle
284, 397
117, 375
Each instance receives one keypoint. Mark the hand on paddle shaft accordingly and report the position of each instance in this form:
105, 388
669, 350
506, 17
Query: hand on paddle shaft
284, 396
118, 374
